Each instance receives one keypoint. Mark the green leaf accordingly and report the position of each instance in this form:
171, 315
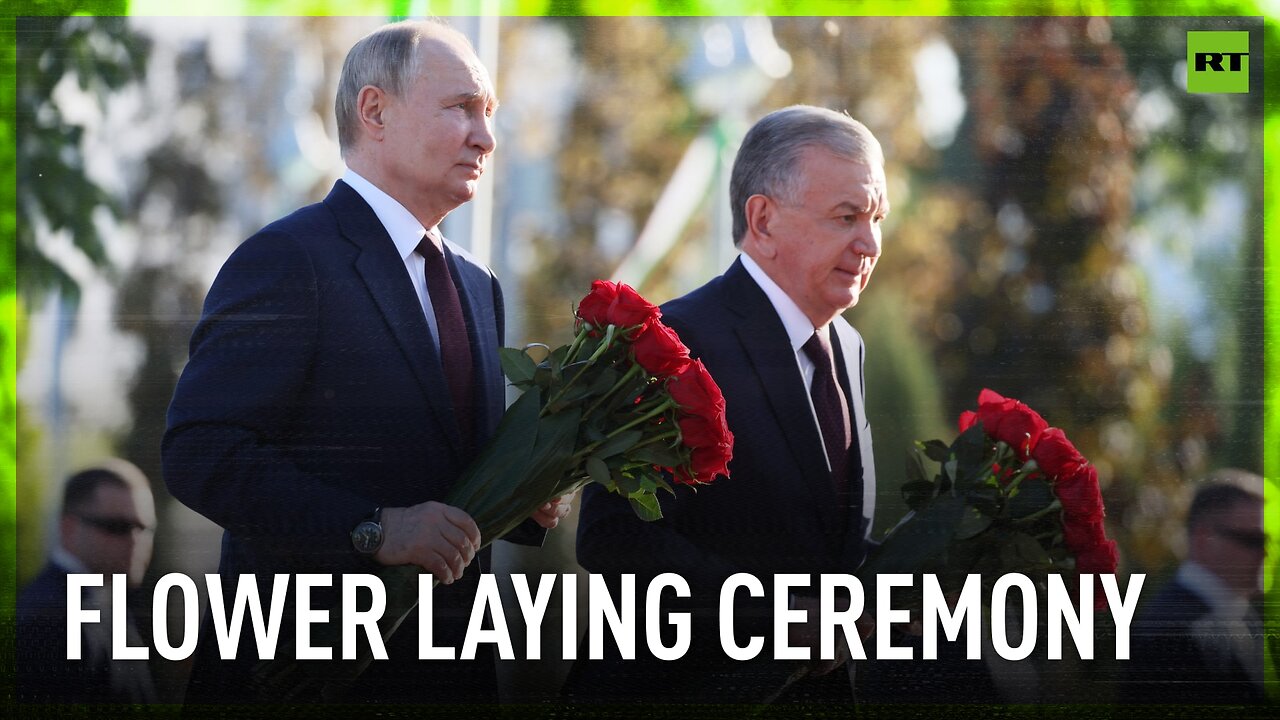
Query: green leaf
556, 359
1032, 496
618, 443
918, 541
628, 483
915, 468
972, 523
936, 450
516, 365
1020, 552
656, 454
918, 494
599, 473
604, 381
544, 377
970, 449
646, 506
505, 459
592, 433
985, 499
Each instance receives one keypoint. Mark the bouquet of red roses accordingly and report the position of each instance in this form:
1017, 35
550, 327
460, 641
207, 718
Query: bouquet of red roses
1011, 495
622, 405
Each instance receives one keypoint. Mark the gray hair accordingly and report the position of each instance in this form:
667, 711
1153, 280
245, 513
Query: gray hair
766, 162
386, 58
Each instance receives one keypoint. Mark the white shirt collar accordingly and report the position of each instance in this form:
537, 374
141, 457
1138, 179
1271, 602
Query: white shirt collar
405, 230
799, 328
65, 560
1224, 602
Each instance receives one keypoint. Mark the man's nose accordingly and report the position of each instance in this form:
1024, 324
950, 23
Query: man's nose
866, 239
482, 135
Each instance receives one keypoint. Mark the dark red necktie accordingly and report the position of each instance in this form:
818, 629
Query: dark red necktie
455, 345
832, 411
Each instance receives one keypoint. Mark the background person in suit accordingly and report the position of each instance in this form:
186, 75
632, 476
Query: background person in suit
1199, 640
808, 196
345, 370
105, 527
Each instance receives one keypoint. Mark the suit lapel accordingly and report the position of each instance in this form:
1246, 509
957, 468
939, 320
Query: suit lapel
383, 273
766, 346
851, 350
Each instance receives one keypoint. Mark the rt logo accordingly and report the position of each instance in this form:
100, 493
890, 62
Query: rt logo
1217, 62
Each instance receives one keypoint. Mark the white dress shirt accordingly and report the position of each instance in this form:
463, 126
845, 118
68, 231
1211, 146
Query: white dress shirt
1231, 629
406, 232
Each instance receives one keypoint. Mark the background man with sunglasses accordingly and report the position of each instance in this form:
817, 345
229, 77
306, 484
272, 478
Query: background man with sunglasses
106, 525
1199, 640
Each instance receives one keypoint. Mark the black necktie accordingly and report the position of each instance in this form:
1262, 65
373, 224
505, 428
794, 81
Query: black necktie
832, 411
455, 346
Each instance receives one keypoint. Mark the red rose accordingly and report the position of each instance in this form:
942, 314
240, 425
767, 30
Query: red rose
708, 463
1100, 558
1009, 421
697, 431
1081, 534
1055, 454
695, 392
659, 351
615, 304
967, 419
1080, 496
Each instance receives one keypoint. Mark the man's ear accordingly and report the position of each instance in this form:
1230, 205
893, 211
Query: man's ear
371, 103
760, 214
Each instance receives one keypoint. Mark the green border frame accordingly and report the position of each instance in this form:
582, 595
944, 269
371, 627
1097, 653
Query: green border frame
1269, 10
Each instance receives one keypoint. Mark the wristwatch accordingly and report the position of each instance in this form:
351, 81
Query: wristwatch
367, 536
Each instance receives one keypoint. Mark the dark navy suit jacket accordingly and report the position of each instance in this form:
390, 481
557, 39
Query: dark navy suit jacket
776, 513
1167, 664
44, 672
313, 395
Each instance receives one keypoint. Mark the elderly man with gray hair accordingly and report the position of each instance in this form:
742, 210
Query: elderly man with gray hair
808, 196
345, 373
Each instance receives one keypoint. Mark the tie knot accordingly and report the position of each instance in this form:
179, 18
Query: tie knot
818, 348
428, 249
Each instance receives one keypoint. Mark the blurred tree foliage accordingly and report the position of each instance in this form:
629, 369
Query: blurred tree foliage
53, 193
1194, 146
629, 130
102, 56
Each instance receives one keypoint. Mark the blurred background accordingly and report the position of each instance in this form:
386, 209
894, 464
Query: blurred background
1070, 227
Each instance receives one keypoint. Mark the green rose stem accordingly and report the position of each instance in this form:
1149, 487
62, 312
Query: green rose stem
627, 377
1052, 507
1028, 468
661, 407
608, 339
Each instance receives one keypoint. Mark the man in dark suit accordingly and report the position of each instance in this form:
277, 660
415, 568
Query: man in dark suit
104, 528
1199, 640
808, 195
345, 370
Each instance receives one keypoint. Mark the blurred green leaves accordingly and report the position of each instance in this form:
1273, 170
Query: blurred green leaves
100, 56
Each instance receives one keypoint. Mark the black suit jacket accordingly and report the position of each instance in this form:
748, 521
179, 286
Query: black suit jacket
1167, 663
45, 674
313, 395
776, 513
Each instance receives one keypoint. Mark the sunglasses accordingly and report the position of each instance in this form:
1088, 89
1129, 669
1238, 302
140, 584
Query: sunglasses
113, 526
1244, 538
